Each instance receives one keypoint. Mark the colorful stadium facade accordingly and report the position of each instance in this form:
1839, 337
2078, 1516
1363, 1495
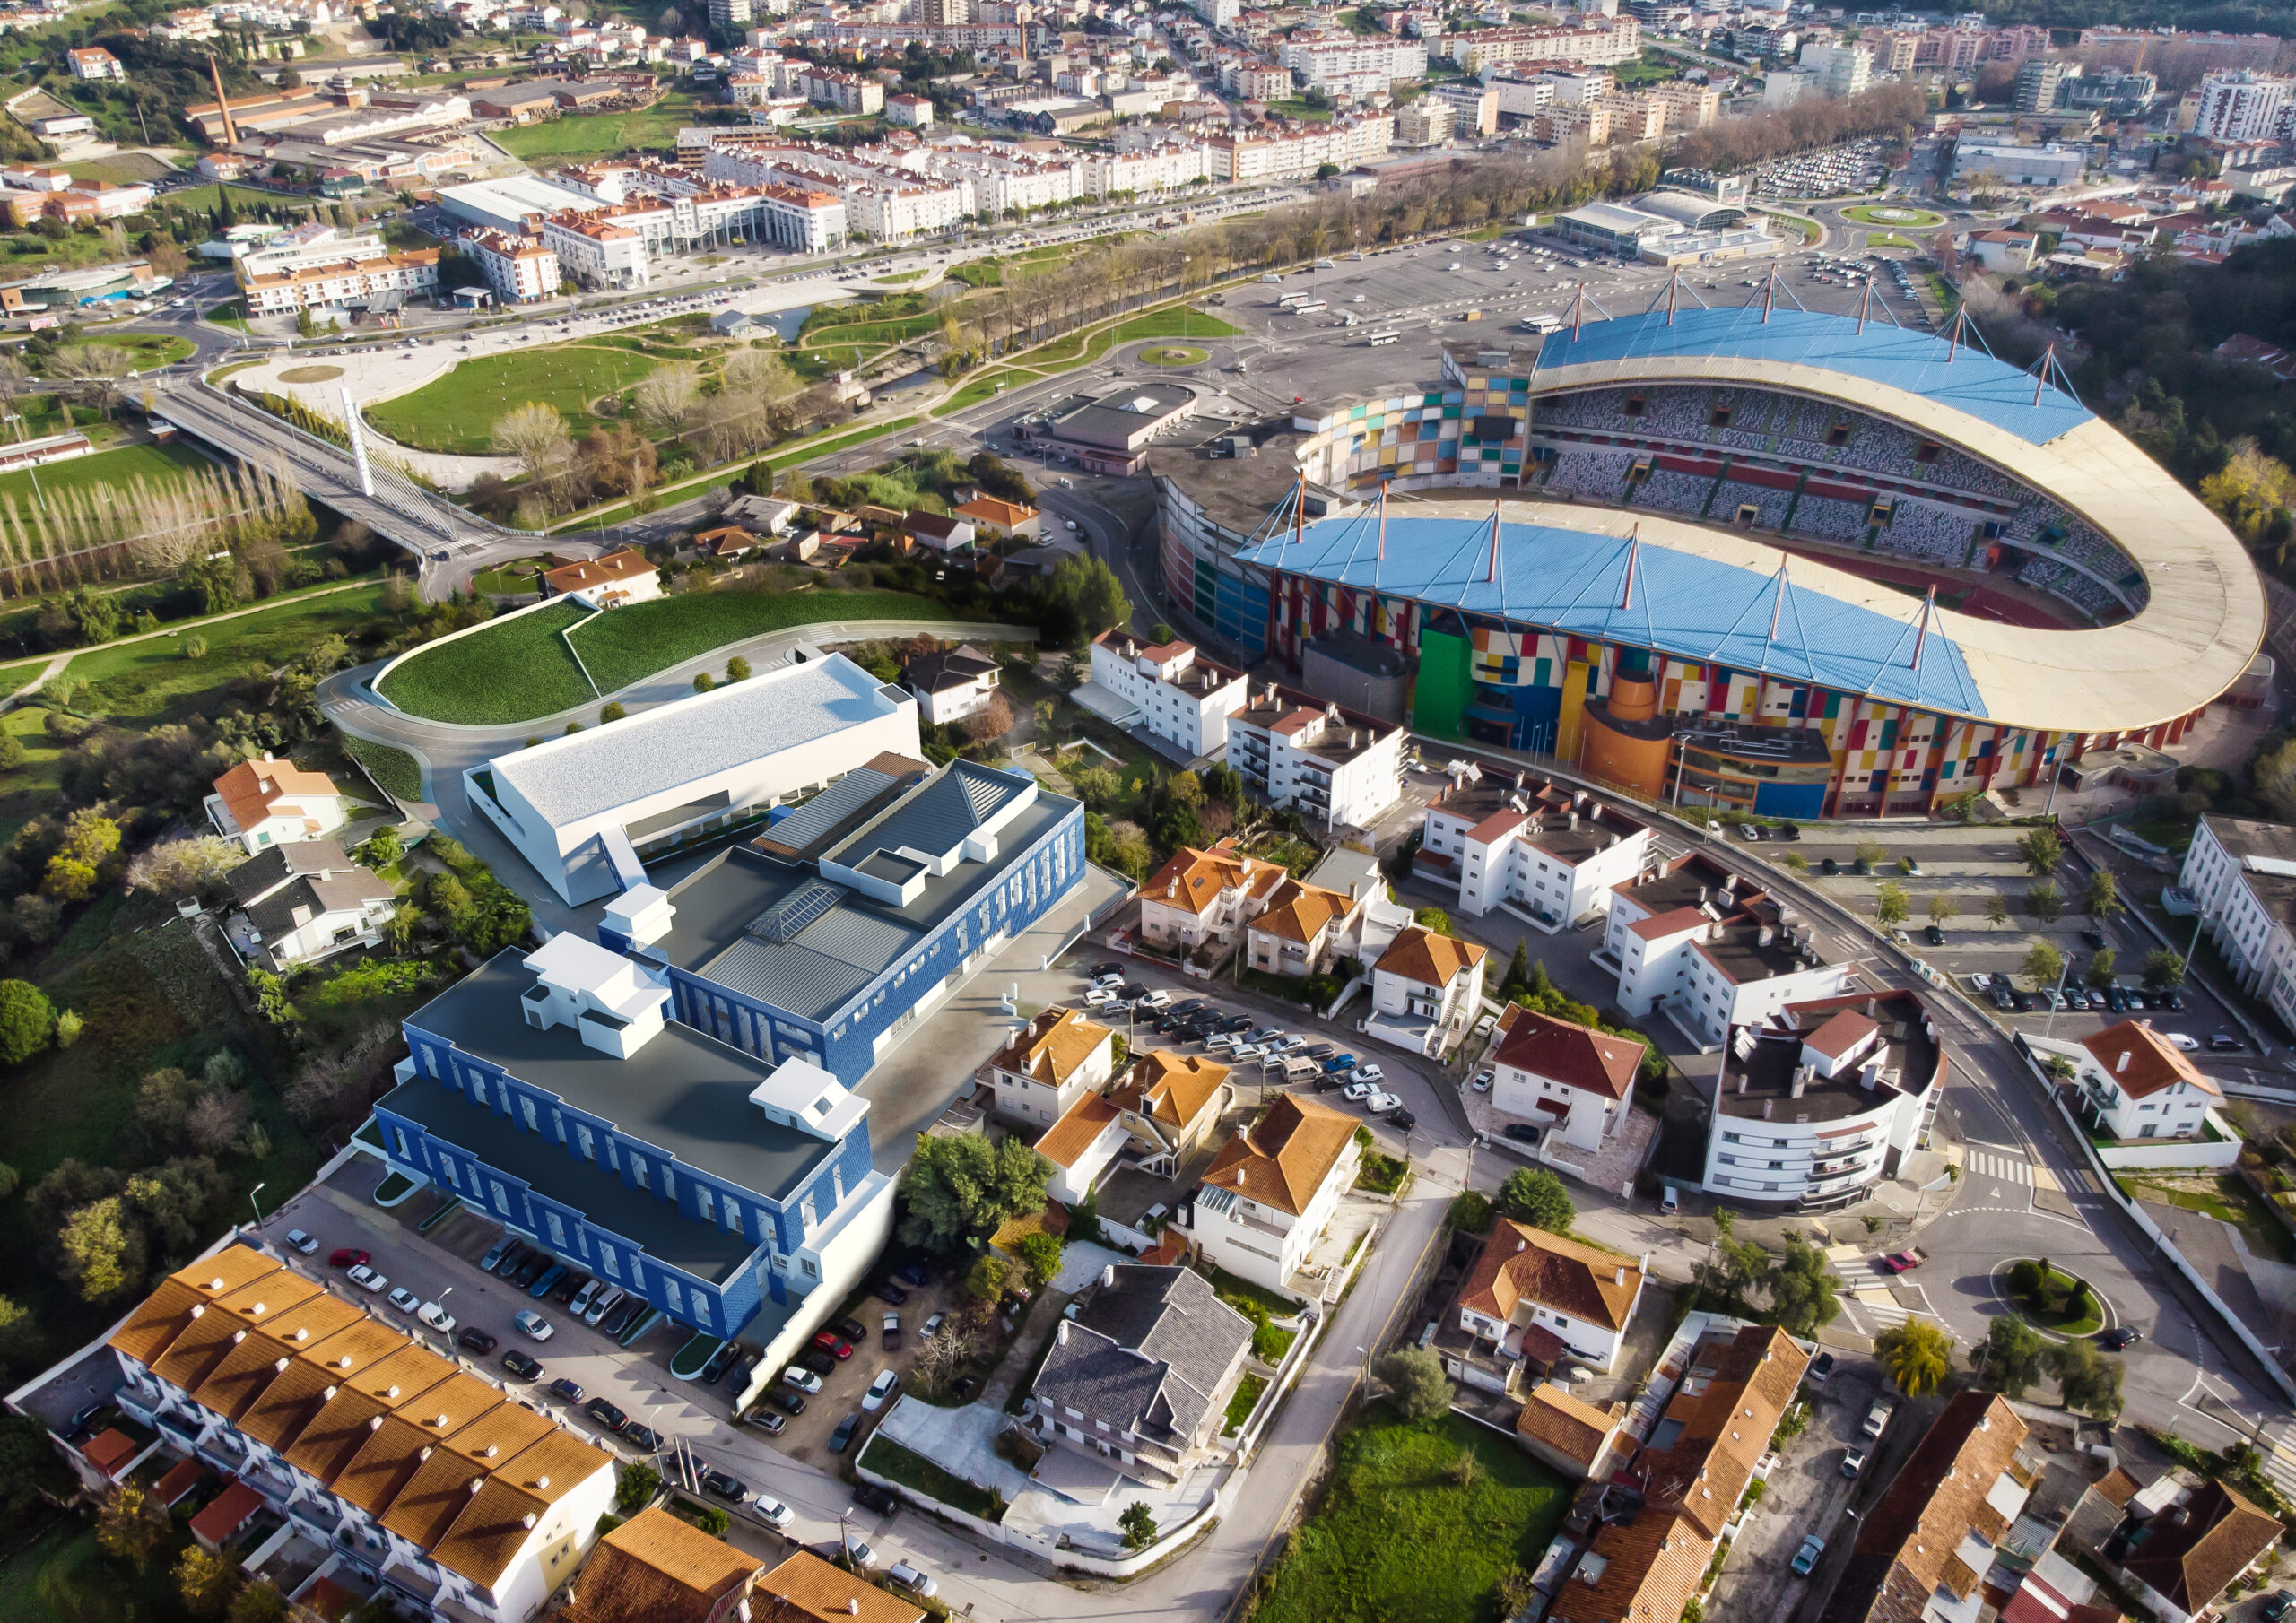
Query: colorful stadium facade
1799, 564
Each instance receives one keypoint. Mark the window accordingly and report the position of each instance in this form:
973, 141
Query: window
638, 1170
526, 1107
706, 1201
676, 1297
732, 1217
589, 1146
399, 1134
501, 1197
805, 1212
447, 1166
557, 1228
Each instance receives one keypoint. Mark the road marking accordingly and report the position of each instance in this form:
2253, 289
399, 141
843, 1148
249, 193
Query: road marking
2004, 1167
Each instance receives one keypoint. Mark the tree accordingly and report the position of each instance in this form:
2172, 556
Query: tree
2009, 1359
103, 1249
703, 682
666, 396
1942, 908
30, 1471
2099, 973
2164, 969
960, 1189
1416, 1383
1890, 905
93, 373
1041, 1252
2041, 850
613, 712
2101, 899
1996, 909
2044, 963
737, 669
987, 1277
130, 1526
206, 1582
258, 1603
1801, 1291
992, 720
2043, 902
2024, 1278
2088, 1382
1917, 1355
1139, 1525
1534, 1195
1519, 971
27, 1021
536, 434
2248, 490
384, 846
636, 1488
1083, 599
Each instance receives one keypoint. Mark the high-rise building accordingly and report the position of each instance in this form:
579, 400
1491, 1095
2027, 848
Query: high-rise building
727, 15
1841, 70
2039, 84
2242, 106
946, 14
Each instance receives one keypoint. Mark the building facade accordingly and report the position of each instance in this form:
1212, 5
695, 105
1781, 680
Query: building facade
2242, 874
1272, 1190
1178, 693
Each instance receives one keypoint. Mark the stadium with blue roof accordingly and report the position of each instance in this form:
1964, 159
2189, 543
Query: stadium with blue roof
1795, 563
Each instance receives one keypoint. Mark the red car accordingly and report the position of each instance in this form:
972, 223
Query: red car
1903, 1262
834, 1344
346, 1258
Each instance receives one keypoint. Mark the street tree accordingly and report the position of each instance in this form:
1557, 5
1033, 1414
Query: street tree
2009, 1359
2088, 1381
2099, 973
1802, 1290
2041, 849
2044, 963
1942, 908
2164, 970
2043, 902
2101, 898
1534, 1195
960, 1189
1890, 902
1917, 1355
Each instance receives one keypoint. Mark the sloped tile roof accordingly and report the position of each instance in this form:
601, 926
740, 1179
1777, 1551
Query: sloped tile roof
1302, 912
1050, 1046
1935, 1499
1171, 1087
1519, 1263
1281, 1159
2189, 1564
1420, 955
1573, 1428
1572, 1055
654, 1568
2142, 1062
1194, 880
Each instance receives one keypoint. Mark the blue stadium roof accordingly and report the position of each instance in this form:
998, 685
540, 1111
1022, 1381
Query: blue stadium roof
1683, 603
1972, 381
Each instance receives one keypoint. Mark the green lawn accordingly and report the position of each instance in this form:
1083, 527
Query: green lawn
1912, 219
1398, 1535
796, 452
115, 467
457, 412
399, 773
514, 577
899, 329
508, 672
1241, 1405
982, 387
631, 644
911, 1469
578, 135
148, 680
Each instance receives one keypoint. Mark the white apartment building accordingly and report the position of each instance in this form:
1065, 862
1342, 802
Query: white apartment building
1426, 990
1205, 898
94, 63
2241, 106
1606, 42
1048, 1064
317, 267
1345, 142
1321, 62
1271, 1191
2243, 874
1822, 1099
803, 218
407, 1470
832, 87
1426, 122
1574, 1082
1505, 839
1341, 770
1170, 689
1163, 168
1545, 1295
1706, 948
1841, 70
519, 269
1256, 81
1002, 182
2135, 1084
598, 253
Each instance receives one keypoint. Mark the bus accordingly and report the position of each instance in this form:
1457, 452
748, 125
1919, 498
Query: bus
1287, 300
1376, 339
1309, 307
1542, 324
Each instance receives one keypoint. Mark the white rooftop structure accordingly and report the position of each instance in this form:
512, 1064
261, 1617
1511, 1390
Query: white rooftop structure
504, 203
800, 1094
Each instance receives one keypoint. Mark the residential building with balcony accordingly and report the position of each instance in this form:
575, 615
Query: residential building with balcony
1704, 946
1426, 990
1572, 1080
1823, 1099
406, 1472
1271, 1192
2135, 1084
1154, 1121
1332, 768
1540, 1298
1205, 899
264, 803
598, 253
951, 683
2242, 874
1542, 850
561, 1094
1048, 1064
1171, 689
521, 269
1142, 1376
1303, 930
296, 904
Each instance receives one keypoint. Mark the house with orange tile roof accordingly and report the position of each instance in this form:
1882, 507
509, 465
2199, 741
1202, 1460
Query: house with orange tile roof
1569, 1079
1539, 1297
1271, 1191
807, 1589
1426, 990
1048, 1064
1164, 1109
656, 1568
453, 1491
1562, 1430
2135, 1084
1204, 899
266, 802
1303, 929
994, 519
611, 582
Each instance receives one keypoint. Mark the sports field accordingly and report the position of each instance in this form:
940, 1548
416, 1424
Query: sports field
575, 137
115, 467
457, 412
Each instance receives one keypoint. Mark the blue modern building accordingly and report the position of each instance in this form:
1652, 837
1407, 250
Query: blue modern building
668, 1110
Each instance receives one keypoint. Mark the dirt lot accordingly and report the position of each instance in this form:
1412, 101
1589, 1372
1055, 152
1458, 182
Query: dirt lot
807, 1436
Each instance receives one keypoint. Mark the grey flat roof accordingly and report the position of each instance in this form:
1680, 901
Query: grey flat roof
685, 1093
674, 745
822, 967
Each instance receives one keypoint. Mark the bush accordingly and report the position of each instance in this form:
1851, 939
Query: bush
1471, 1212
636, 1489
1419, 1389
27, 1021
2025, 1278
1534, 1195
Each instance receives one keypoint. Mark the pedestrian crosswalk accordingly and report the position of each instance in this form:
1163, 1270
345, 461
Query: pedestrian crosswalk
2008, 1168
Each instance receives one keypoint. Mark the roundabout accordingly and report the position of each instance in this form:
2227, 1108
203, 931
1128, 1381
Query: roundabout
2049, 1299
1891, 214
1173, 355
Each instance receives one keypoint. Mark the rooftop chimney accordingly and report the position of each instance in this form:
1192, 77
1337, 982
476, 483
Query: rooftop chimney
1622, 1275
1742, 1082
2124, 1054
1107, 1276
1765, 1108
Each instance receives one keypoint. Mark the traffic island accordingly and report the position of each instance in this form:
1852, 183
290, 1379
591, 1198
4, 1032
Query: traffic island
2049, 1298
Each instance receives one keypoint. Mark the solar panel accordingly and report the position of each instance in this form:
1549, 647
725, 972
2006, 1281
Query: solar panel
801, 906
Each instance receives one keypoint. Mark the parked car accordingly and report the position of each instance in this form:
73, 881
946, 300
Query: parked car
565, 1389
583, 1297
604, 1303
2224, 1042
830, 1343
870, 1496
626, 1313
1355, 1093
403, 1299
531, 1267
605, 1414
720, 1361
1402, 1118
841, 1438
1821, 1368
506, 1258
2120, 1338
1523, 1132
569, 1288
1877, 1419
767, 1421
1828, 866
1370, 1073
543, 1281
787, 1403
301, 1241
891, 1294
643, 1437
771, 1512
2182, 1041
1934, 934
1670, 1202
915, 1275
932, 1325
1099, 971
1481, 1082
521, 1365
919, 1582
881, 1391
347, 1258
1379, 1104
725, 1486
804, 1380
2277, 1606
2093, 937
472, 1338
1805, 1559
367, 1278
889, 1337
1854, 1460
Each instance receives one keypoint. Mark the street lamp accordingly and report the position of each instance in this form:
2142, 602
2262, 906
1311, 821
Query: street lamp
257, 1190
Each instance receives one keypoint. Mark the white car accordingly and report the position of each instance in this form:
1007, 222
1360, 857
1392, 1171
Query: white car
857, 1546
1370, 1073
367, 1278
437, 1317
1379, 1104
1157, 999
804, 1380
1246, 1051
532, 1325
1100, 997
1355, 1093
880, 1391
773, 1513
1482, 1082
915, 1579
303, 1243
403, 1299
583, 1297
2180, 1040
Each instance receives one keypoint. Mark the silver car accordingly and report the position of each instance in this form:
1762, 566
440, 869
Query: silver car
607, 1301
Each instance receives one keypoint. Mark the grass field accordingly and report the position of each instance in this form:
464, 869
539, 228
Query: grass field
144, 680
1400, 1535
508, 672
632, 644
114, 467
399, 773
581, 135
457, 412
796, 452
911, 1469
